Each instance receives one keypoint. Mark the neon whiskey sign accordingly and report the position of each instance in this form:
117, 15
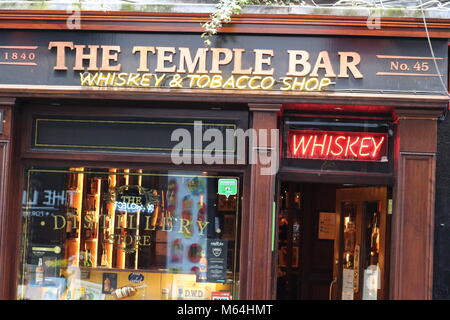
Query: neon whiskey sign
336, 145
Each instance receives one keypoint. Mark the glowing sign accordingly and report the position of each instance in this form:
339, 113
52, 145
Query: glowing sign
334, 145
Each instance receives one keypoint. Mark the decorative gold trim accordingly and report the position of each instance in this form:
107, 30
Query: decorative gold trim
381, 56
20, 63
20, 47
406, 74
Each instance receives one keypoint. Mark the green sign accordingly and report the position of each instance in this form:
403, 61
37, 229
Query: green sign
227, 187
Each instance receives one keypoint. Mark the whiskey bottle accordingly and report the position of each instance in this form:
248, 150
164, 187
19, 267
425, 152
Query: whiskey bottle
87, 259
39, 273
127, 291
203, 268
104, 260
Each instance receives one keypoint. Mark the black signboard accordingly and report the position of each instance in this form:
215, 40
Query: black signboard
217, 260
125, 135
158, 61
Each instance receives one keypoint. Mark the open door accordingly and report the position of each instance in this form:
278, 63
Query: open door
360, 244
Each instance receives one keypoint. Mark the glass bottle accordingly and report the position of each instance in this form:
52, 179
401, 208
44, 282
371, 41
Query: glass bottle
87, 259
39, 272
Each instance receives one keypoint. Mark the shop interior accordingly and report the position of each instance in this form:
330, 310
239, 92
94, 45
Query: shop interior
131, 234
332, 241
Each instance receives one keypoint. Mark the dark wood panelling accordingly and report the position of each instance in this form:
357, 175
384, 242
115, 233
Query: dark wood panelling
413, 227
256, 275
418, 134
413, 216
8, 236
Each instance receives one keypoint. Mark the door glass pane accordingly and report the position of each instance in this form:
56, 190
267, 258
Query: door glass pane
372, 281
349, 210
113, 233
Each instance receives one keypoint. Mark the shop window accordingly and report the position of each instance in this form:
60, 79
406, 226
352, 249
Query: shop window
106, 234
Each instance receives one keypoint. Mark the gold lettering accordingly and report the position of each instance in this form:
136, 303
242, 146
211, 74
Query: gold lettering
119, 221
296, 85
193, 78
199, 60
88, 78
133, 79
80, 56
237, 68
159, 80
104, 218
323, 62
108, 55
122, 79
260, 61
167, 221
252, 80
184, 223
149, 227
216, 82
350, 65
267, 83
239, 80
143, 58
201, 226
286, 83
56, 227
130, 237
146, 240
118, 238
217, 61
162, 58
145, 79
103, 77
203, 82
229, 83
314, 82
131, 219
324, 82
294, 62
88, 221
60, 53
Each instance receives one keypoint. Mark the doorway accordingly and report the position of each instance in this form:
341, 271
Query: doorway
333, 241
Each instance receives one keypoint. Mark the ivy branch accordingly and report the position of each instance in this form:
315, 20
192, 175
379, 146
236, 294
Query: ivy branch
226, 8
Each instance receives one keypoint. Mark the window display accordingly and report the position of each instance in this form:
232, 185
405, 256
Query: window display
114, 233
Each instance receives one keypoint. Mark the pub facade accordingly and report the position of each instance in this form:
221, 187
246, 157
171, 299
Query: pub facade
292, 162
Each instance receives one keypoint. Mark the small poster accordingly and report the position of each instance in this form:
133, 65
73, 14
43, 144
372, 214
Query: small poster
347, 284
217, 260
109, 283
371, 275
327, 225
220, 295
90, 291
227, 187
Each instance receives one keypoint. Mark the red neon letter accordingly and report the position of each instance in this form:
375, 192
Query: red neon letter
377, 146
350, 146
364, 146
337, 143
318, 145
302, 144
